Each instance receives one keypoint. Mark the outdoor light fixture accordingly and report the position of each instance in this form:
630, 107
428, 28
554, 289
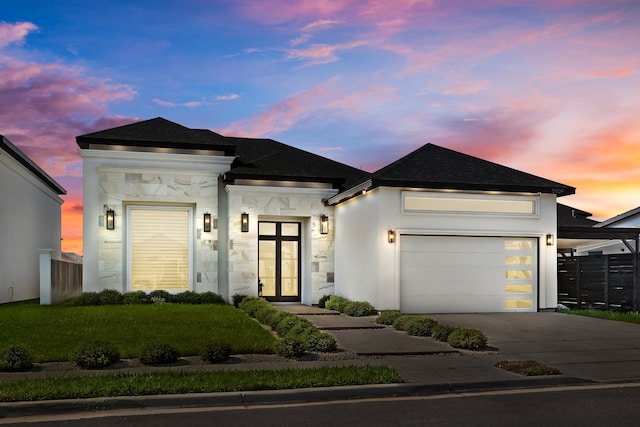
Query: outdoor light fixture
207, 222
391, 236
550, 239
110, 219
244, 222
324, 224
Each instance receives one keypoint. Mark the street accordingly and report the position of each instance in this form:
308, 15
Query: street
578, 405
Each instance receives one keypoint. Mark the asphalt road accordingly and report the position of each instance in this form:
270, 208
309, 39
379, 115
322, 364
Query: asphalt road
601, 405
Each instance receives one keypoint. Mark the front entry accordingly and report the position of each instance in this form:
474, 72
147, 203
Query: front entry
279, 256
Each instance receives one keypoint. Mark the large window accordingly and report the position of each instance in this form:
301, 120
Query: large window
159, 247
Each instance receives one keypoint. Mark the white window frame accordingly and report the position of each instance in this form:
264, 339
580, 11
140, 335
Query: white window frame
191, 243
471, 204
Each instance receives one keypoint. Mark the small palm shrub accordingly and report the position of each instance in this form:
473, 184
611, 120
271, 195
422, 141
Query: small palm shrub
110, 297
15, 359
421, 326
336, 302
216, 353
135, 297
158, 354
237, 299
359, 309
96, 354
291, 348
465, 338
388, 317
211, 298
323, 300
441, 332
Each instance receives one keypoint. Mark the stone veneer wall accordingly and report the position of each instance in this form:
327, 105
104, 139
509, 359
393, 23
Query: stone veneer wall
130, 185
281, 203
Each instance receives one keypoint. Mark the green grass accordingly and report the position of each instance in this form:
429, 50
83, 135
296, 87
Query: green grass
631, 317
52, 333
193, 382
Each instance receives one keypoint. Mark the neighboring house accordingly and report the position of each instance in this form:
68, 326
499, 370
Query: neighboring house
627, 220
436, 231
31, 220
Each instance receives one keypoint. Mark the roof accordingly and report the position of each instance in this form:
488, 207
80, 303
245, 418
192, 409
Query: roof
623, 216
158, 133
569, 216
25, 161
434, 167
272, 160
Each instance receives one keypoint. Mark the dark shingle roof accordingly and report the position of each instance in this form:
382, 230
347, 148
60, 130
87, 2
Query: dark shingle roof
273, 160
568, 216
158, 133
25, 161
431, 166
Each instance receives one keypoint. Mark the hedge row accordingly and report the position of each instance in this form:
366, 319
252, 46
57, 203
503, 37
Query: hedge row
348, 307
423, 326
298, 335
113, 297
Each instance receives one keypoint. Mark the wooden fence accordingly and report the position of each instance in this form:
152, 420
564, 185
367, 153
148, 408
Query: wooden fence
59, 280
605, 282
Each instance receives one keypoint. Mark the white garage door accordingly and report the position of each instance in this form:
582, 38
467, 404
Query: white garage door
446, 274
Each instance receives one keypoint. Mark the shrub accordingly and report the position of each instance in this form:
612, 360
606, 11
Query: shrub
187, 297
421, 326
96, 354
237, 299
319, 341
441, 332
251, 305
110, 297
402, 323
136, 297
265, 313
322, 301
158, 354
336, 303
211, 298
359, 309
388, 317
15, 359
87, 298
470, 339
216, 353
160, 296
291, 348
275, 318
288, 323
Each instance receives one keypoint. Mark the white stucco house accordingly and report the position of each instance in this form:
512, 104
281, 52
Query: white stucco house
625, 220
173, 208
31, 221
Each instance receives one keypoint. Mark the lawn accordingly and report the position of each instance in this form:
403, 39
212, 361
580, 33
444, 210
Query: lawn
52, 333
631, 317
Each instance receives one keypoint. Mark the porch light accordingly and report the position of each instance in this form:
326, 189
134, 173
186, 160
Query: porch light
207, 222
244, 222
110, 219
550, 240
391, 236
324, 224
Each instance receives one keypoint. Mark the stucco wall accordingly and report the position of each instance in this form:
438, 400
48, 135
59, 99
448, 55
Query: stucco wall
304, 205
30, 214
367, 265
114, 178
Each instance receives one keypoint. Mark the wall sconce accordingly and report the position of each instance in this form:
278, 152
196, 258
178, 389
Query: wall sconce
244, 222
324, 224
110, 219
207, 222
391, 236
550, 240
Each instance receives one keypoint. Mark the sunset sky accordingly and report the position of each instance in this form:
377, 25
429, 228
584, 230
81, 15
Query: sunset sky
550, 87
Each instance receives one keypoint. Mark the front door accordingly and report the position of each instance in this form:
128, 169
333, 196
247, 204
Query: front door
279, 260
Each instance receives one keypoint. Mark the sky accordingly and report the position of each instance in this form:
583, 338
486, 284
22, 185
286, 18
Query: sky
549, 87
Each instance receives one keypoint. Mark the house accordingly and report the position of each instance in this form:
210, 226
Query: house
168, 207
617, 245
31, 221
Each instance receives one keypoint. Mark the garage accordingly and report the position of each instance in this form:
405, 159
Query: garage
468, 274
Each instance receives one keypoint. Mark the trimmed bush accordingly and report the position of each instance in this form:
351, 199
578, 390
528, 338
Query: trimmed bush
322, 301
87, 298
216, 353
110, 297
441, 332
289, 322
336, 303
402, 323
465, 338
251, 305
15, 359
421, 326
388, 317
136, 297
319, 341
158, 354
159, 296
291, 348
211, 298
359, 309
187, 297
237, 299
96, 354
275, 318
265, 313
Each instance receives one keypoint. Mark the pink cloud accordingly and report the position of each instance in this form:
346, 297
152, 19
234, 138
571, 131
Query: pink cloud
321, 53
15, 33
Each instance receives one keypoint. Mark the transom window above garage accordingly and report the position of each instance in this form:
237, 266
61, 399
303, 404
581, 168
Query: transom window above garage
415, 202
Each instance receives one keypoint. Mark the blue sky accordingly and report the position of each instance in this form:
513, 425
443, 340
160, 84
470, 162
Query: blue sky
545, 86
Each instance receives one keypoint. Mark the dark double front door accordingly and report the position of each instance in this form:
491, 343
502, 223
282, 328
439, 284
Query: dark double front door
279, 260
